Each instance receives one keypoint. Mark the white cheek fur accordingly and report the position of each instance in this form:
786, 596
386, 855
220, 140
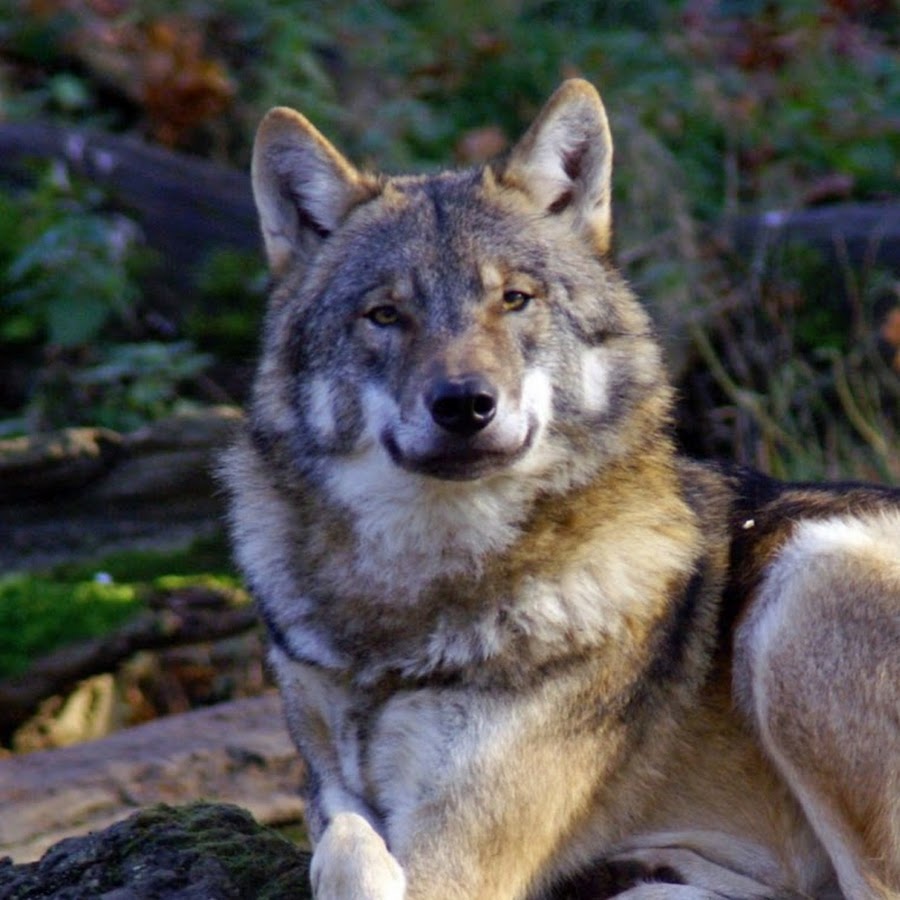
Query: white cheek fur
595, 380
320, 414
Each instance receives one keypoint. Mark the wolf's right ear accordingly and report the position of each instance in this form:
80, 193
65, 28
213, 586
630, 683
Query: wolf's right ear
564, 161
303, 187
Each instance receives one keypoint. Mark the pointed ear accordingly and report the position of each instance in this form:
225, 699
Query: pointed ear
564, 161
302, 186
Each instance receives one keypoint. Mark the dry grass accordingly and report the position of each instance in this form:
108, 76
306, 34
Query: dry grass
784, 361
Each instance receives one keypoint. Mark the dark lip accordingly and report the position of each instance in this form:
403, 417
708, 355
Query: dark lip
461, 463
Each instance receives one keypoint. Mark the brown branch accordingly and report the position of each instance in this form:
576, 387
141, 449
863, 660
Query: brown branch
190, 616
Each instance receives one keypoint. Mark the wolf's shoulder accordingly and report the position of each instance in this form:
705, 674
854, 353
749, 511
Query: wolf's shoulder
762, 518
771, 503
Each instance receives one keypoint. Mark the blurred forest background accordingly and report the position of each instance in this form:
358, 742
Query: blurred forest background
719, 109
727, 114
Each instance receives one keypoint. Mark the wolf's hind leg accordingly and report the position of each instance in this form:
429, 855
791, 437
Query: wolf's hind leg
818, 667
671, 869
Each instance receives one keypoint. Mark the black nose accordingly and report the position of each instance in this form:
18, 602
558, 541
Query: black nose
462, 405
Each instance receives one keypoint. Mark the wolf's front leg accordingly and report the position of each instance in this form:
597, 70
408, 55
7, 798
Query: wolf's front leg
352, 862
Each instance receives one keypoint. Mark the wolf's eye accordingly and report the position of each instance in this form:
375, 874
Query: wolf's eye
384, 316
513, 301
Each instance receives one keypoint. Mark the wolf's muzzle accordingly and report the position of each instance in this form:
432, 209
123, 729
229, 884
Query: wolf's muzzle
462, 405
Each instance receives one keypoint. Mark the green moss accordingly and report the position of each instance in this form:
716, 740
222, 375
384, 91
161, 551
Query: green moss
259, 862
40, 612
202, 556
197, 851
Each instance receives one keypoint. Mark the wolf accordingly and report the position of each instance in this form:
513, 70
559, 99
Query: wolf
525, 648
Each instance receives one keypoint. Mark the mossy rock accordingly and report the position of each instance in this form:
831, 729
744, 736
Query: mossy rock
198, 852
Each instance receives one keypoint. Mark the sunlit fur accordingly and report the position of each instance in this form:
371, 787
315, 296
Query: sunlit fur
541, 655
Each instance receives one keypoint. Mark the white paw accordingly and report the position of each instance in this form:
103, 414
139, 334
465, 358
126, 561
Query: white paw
352, 862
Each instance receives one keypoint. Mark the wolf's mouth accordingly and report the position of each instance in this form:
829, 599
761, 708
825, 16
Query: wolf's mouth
458, 459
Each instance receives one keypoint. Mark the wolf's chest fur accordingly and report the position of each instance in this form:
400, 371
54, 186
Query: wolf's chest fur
392, 573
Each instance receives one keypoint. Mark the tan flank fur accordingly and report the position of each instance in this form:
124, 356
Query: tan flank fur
526, 649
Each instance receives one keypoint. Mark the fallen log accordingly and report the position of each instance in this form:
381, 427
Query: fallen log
86, 492
186, 206
237, 752
189, 616
858, 235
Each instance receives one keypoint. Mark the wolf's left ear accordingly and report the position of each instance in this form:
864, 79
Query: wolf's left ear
564, 161
303, 187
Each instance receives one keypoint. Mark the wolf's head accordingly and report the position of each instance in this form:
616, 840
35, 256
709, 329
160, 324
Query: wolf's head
460, 326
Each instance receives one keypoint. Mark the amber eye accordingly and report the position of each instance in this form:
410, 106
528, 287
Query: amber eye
513, 301
383, 316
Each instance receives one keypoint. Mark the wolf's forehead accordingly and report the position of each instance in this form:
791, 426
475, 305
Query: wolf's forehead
439, 241
445, 223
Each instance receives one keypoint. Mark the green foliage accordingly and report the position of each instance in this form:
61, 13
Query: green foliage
67, 269
756, 101
793, 95
132, 384
70, 286
227, 316
718, 109
69, 281
808, 388
44, 611
117, 385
